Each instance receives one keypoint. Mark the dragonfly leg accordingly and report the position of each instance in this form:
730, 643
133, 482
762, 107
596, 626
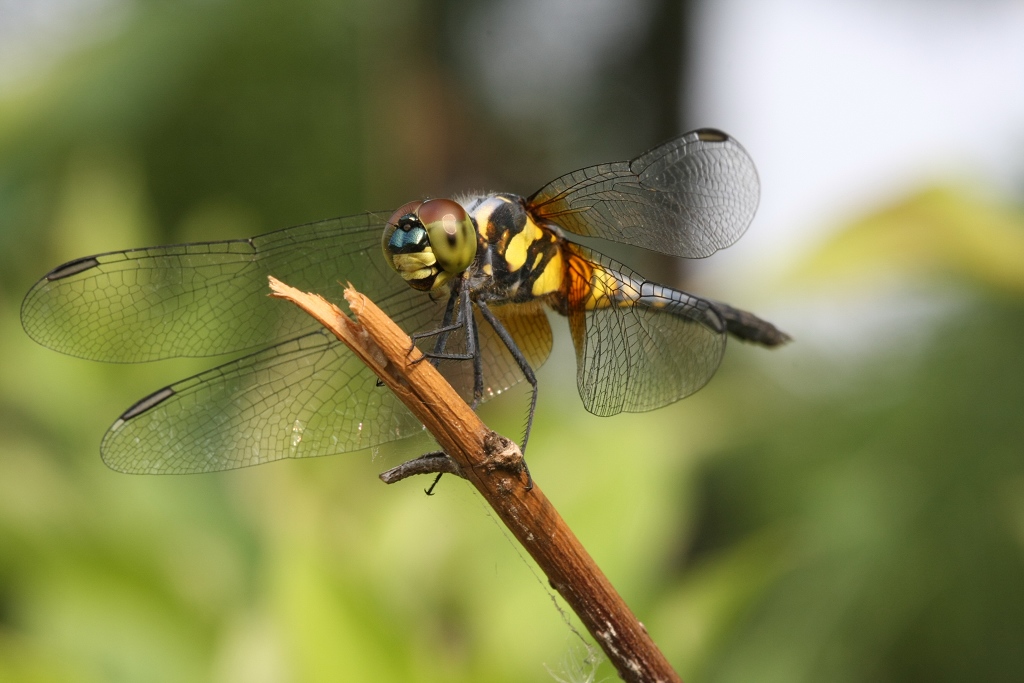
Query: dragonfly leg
441, 332
520, 359
438, 461
465, 318
430, 489
447, 326
416, 336
478, 365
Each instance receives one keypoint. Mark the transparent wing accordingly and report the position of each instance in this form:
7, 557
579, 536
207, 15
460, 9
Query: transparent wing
304, 397
208, 298
689, 197
639, 345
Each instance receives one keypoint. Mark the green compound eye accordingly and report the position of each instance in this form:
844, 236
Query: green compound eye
451, 234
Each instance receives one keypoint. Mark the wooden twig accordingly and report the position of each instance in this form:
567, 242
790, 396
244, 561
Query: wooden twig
494, 465
431, 463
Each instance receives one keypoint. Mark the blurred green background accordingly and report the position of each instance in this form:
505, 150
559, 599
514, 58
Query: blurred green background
850, 508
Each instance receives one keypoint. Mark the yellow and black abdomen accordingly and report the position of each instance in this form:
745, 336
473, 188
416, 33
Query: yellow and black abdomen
593, 282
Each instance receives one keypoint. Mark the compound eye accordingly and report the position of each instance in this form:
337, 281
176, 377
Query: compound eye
391, 244
451, 233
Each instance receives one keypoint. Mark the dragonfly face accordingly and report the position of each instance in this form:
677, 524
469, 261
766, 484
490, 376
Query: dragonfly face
428, 242
476, 276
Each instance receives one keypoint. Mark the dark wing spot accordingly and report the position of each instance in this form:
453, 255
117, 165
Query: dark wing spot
145, 404
72, 268
712, 135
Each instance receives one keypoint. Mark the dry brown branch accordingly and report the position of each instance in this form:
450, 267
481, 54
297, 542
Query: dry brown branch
431, 463
494, 465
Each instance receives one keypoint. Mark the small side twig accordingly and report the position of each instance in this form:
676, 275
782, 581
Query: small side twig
431, 463
495, 467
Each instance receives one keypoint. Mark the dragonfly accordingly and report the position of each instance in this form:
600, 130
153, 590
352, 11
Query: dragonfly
470, 277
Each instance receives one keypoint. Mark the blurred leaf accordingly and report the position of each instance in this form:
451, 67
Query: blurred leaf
870, 531
941, 231
901, 505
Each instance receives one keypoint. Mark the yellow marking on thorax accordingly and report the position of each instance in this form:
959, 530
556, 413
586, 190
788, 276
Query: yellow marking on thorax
550, 280
482, 215
515, 252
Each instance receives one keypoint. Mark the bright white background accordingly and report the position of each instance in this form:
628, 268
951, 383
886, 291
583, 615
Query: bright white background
904, 94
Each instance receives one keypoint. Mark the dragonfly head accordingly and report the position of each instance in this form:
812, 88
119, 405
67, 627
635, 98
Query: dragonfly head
428, 242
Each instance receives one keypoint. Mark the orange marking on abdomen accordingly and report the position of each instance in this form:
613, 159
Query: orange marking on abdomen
591, 287
576, 285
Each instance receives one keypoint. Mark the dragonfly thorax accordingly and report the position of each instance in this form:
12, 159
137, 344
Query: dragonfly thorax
518, 260
428, 242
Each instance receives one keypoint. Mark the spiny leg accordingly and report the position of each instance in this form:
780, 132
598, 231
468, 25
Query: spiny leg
464, 318
473, 348
440, 332
430, 489
520, 359
447, 326
478, 365
472, 351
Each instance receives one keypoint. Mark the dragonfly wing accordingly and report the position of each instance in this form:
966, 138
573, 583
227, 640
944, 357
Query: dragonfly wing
688, 197
304, 397
207, 298
639, 345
